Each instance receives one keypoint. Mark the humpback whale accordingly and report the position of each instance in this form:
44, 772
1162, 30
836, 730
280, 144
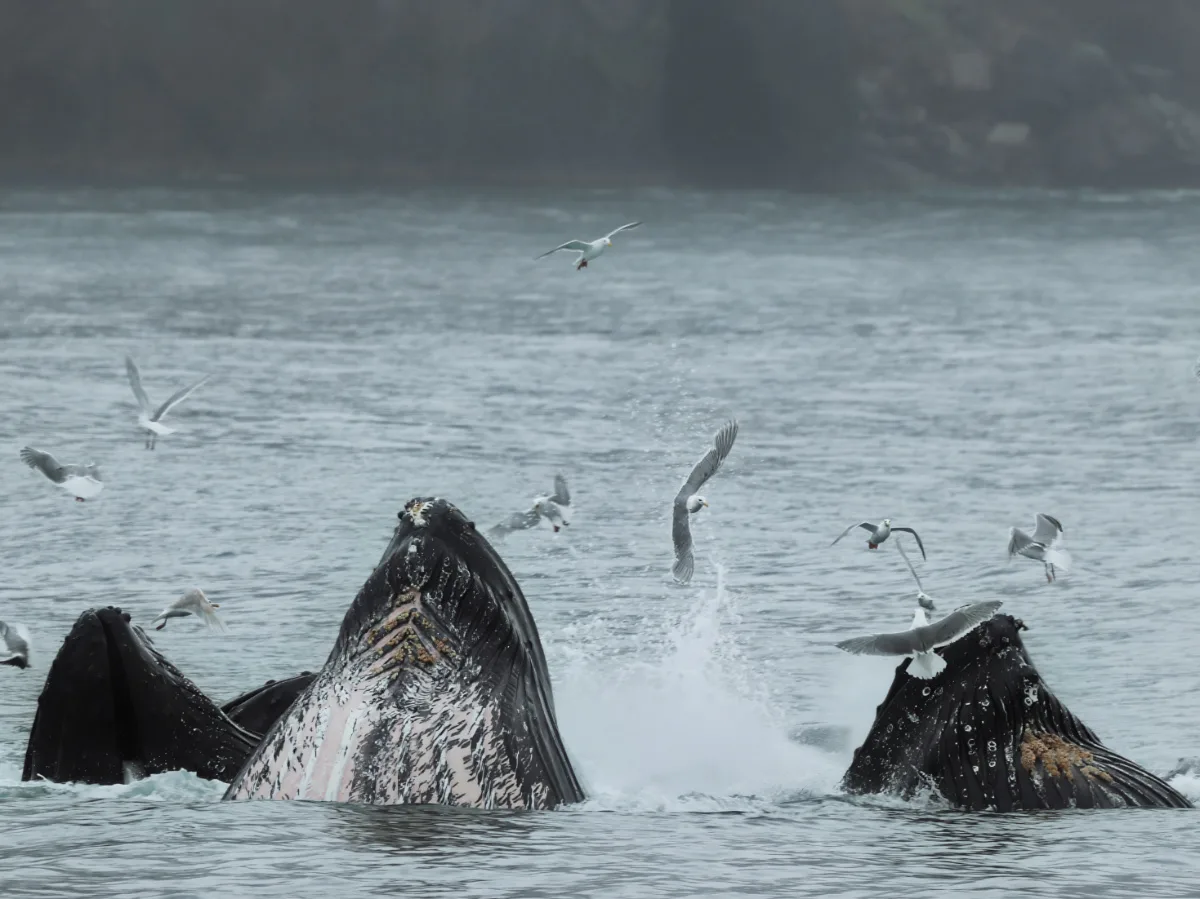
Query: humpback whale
113, 707
988, 734
436, 690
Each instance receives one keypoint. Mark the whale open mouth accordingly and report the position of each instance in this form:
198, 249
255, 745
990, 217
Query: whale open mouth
436, 690
989, 734
114, 708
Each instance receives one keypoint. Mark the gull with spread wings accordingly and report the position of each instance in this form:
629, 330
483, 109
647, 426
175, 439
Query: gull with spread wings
589, 249
1044, 546
549, 507
81, 481
920, 640
688, 501
149, 419
194, 602
880, 532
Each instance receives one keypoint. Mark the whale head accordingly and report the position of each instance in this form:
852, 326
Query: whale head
436, 690
113, 706
989, 734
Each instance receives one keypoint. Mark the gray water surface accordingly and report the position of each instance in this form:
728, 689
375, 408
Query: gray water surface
956, 363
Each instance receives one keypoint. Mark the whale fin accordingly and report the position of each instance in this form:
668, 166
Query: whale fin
926, 665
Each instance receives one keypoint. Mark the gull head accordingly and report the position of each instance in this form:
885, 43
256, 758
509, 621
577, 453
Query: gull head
608, 242
695, 503
887, 522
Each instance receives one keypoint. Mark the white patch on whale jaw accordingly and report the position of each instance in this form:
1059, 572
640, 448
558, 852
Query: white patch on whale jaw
430, 735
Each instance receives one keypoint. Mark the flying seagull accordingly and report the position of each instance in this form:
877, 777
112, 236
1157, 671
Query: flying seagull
920, 641
549, 507
194, 602
880, 532
81, 481
1042, 546
16, 642
688, 501
923, 599
149, 419
589, 249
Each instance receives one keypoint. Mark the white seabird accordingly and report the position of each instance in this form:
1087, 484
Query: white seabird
149, 419
589, 249
1043, 546
16, 642
880, 532
81, 481
920, 641
552, 508
688, 501
194, 602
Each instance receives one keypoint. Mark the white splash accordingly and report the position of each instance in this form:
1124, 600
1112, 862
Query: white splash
687, 714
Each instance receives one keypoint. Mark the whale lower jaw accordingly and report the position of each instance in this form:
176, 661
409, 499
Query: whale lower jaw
425, 734
114, 708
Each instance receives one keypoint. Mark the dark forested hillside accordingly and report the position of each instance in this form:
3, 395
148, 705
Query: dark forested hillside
806, 93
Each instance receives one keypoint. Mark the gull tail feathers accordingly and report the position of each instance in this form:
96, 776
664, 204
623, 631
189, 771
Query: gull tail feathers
926, 665
1059, 558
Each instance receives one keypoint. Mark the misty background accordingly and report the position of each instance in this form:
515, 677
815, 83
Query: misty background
824, 94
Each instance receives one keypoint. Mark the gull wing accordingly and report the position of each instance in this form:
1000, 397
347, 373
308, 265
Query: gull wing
916, 577
609, 235
708, 464
861, 524
898, 644
562, 496
681, 535
577, 245
920, 545
135, 381
16, 638
43, 462
1047, 529
175, 399
1017, 541
961, 622
518, 521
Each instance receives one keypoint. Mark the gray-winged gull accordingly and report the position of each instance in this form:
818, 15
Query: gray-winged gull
688, 501
920, 641
589, 249
551, 507
1042, 546
149, 419
81, 481
194, 602
880, 532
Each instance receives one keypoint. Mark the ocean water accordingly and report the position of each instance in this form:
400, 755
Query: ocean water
955, 362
